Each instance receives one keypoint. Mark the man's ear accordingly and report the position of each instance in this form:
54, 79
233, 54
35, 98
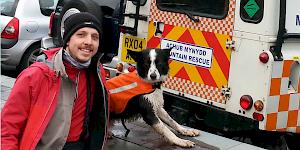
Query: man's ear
134, 55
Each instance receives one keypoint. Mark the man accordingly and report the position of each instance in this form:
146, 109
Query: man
60, 102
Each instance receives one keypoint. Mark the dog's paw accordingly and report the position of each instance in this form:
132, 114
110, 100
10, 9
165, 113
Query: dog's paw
190, 132
183, 143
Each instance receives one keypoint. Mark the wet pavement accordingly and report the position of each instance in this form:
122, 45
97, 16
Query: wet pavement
143, 137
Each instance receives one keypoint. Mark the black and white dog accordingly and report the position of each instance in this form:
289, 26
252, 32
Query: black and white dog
152, 68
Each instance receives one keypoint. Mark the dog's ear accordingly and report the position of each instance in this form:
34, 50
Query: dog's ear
134, 55
167, 52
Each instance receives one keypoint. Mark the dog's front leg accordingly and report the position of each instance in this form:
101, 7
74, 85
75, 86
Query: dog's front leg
170, 136
165, 117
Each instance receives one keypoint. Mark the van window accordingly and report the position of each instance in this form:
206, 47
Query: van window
252, 11
8, 7
206, 8
47, 6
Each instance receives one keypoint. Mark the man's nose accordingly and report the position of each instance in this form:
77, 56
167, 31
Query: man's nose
88, 40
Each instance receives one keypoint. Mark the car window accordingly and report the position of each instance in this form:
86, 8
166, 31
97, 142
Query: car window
206, 8
110, 3
8, 7
47, 6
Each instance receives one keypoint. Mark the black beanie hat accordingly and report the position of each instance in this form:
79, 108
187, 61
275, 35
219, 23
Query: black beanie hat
77, 21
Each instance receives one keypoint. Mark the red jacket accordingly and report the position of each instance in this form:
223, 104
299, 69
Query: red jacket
124, 87
30, 105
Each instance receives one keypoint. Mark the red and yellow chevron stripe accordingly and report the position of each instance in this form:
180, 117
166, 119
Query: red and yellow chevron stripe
217, 75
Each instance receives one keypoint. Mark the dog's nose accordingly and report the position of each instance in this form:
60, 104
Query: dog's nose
153, 76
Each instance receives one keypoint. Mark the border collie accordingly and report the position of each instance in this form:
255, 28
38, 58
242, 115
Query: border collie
145, 97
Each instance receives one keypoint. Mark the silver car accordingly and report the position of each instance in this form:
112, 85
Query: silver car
23, 24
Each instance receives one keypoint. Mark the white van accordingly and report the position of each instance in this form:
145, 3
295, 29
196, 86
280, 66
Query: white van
235, 67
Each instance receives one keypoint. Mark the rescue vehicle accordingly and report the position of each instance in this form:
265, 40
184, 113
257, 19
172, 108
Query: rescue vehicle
235, 64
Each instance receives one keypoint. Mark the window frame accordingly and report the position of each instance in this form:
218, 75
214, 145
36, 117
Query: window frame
48, 11
198, 14
12, 10
256, 21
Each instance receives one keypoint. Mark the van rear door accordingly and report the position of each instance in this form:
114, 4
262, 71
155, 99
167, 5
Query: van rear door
199, 30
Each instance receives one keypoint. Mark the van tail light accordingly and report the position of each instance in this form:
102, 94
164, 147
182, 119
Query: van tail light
246, 102
264, 57
124, 29
258, 116
107, 73
11, 31
258, 105
131, 68
51, 23
120, 67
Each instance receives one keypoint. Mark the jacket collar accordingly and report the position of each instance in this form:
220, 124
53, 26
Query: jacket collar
58, 64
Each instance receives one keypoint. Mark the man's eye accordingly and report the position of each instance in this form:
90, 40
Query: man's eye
95, 37
80, 34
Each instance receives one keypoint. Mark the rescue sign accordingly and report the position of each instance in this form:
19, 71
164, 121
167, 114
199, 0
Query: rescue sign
293, 16
131, 43
188, 53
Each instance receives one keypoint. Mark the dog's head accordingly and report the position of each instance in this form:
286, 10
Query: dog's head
152, 64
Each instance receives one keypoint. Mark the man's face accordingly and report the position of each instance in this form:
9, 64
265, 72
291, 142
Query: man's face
83, 44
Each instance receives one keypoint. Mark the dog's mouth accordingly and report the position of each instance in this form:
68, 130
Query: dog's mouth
162, 78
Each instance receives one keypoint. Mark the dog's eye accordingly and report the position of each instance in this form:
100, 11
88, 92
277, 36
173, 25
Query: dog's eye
146, 65
148, 62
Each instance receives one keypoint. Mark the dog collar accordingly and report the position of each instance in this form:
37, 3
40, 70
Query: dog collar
156, 85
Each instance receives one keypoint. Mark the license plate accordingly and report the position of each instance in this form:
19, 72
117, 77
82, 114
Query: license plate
131, 43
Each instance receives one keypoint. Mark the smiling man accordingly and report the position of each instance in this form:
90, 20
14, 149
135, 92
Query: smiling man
60, 102
81, 38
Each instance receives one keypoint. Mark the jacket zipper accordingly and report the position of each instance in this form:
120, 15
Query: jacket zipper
76, 85
105, 109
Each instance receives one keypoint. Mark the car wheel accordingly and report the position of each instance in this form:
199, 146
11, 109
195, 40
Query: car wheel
29, 57
72, 7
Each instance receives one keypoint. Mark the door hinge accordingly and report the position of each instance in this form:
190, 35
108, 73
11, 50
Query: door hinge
226, 92
230, 44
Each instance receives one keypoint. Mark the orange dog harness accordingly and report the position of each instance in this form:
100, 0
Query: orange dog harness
124, 87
